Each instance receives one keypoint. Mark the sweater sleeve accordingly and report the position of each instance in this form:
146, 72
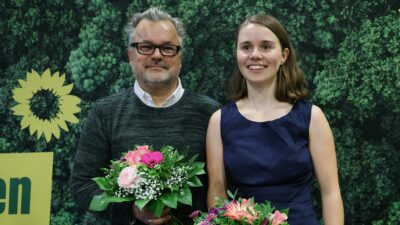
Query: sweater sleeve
94, 153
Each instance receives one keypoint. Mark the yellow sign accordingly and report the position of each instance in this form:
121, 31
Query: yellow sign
25, 188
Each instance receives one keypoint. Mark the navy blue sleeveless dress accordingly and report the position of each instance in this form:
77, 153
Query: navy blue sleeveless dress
271, 160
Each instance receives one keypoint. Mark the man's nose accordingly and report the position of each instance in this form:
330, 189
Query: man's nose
157, 53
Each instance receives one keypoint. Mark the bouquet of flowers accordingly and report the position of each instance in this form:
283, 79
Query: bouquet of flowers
240, 212
155, 179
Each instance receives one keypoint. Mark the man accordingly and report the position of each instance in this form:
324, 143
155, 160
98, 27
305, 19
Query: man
157, 111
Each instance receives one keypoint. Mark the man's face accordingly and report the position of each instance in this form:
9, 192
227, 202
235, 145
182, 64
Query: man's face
155, 69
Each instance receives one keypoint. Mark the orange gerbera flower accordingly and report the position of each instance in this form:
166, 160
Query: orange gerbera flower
241, 210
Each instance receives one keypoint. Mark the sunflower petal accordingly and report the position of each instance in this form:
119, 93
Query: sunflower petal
38, 135
64, 90
51, 129
69, 110
58, 81
47, 135
22, 95
27, 87
62, 79
46, 79
61, 122
51, 82
23, 83
26, 121
41, 128
56, 75
34, 80
71, 118
21, 110
47, 130
68, 105
55, 129
34, 125
70, 100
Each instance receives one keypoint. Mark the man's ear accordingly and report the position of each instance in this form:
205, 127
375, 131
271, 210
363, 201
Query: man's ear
130, 54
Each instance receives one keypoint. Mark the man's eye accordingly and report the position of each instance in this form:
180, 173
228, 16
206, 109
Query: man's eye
146, 47
168, 48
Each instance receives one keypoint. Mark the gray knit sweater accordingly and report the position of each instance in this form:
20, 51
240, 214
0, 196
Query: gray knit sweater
117, 123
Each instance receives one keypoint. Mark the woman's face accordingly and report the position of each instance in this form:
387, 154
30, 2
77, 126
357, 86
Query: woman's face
259, 54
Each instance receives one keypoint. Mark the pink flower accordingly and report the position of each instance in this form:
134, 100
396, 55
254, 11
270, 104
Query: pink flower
142, 148
241, 210
133, 157
211, 216
194, 214
152, 159
204, 222
128, 177
213, 210
278, 218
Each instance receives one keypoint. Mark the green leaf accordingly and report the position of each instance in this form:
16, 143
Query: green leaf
192, 160
170, 199
180, 157
194, 182
140, 203
198, 168
185, 196
103, 183
157, 207
100, 202
230, 194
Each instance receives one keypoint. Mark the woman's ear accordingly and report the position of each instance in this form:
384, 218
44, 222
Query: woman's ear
285, 55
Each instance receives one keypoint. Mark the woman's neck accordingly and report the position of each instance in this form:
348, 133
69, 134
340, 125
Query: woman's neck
261, 95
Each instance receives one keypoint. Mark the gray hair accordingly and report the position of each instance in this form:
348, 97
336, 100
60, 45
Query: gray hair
153, 14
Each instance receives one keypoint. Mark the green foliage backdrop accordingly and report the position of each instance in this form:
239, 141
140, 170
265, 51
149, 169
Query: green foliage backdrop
349, 49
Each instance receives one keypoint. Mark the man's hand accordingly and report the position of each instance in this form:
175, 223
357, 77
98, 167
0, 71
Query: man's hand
149, 218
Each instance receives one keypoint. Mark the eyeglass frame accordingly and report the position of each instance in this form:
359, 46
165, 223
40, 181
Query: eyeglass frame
136, 44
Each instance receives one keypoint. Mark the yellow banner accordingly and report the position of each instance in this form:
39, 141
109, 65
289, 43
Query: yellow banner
25, 188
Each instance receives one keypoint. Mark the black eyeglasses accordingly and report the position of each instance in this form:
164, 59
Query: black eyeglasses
148, 49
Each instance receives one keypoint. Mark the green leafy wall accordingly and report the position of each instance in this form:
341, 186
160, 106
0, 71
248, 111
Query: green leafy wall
349, 49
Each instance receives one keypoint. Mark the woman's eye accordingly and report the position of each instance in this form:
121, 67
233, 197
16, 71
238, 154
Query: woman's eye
246, 48
265, 47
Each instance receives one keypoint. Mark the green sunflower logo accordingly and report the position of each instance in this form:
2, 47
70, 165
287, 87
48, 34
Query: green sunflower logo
45, 104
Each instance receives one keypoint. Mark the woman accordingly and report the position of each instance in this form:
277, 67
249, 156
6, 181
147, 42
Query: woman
269, 141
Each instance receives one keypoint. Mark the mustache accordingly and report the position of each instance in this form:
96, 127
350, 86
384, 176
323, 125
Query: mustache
156, 64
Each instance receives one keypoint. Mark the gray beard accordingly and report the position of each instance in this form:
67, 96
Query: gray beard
160, 79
